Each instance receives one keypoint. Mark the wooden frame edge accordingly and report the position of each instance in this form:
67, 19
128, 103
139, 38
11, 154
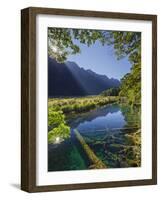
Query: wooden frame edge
28, 99
154, 99
85, 186
24, 100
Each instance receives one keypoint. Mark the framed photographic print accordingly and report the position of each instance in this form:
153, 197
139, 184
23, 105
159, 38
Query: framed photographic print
89, 99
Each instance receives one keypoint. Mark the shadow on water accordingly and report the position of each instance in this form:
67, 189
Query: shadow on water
110, 131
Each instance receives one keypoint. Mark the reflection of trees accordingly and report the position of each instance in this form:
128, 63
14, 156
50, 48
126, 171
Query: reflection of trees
120, 148
89, 116
132, 145
132, 115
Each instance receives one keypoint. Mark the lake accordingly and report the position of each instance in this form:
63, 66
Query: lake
113, 134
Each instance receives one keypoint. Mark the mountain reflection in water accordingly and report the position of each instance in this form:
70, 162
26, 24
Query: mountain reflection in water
110, 131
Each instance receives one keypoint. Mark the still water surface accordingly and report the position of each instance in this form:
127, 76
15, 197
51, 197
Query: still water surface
103, 130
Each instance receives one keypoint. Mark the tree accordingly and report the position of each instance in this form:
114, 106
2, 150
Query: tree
131, 85
58, 133
111, 92
56, 120
61, 43
128, 44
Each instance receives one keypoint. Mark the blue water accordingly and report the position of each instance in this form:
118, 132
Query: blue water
102, 129
111, 120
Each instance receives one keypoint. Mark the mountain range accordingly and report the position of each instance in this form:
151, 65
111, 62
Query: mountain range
68, 79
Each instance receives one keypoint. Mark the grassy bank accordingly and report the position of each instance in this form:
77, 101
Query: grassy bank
59, 110
81, 104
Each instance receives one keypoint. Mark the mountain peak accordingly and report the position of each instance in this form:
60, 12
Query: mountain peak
69, 79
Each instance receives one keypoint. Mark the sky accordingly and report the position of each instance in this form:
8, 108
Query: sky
101, 59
